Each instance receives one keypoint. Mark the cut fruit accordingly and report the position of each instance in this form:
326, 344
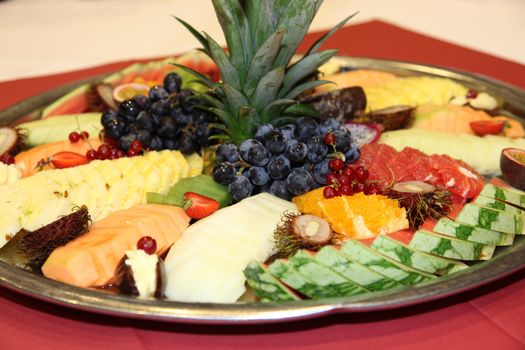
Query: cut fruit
10, 141
128, 90
363, 134
358, 216
506, 195
450, 247
266, 287
365, 78
487, 127
491, 219
512, 163
91, 259
390, 118
67, 159
414, 258
383, 264
472, 233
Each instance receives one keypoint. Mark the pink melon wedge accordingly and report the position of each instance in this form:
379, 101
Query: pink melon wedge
91, 259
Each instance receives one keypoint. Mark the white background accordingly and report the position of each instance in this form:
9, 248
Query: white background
43, 36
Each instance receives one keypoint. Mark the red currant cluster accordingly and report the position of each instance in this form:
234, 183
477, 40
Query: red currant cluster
6, 158
345, 181
109, 149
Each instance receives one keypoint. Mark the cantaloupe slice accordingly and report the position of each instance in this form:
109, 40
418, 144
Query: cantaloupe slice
366, 78
91, 259
447, 118
27, 161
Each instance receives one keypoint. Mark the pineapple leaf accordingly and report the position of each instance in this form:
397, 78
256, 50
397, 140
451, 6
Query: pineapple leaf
274, 109
303, 68
197, 35
299, 89
325, 37
235, 99
296, 19
251, 118
236, 31
224, 116
203, 79
263, 60
267, 88
259, 14
301, 109
229, 73
212, 100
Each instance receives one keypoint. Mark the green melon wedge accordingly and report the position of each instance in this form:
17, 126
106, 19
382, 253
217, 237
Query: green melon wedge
508, 196
495, 203
450, 247
354, 271
414, 258
472, 233
265, 286
282, 270
491, 219
305, 263
383, 264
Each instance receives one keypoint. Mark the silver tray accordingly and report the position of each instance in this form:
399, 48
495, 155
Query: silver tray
507, 260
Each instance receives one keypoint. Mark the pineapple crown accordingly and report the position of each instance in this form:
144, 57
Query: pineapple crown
259, 85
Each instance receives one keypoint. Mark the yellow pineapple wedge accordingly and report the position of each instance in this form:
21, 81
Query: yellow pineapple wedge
103, 186
359, 216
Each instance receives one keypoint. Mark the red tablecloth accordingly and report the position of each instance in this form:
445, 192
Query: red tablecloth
489, 317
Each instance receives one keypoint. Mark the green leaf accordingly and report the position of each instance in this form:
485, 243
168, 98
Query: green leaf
296, 19
224, 116
204, 79
259, 14
236, 31
301, 109
303, 68
267, 88
274, 110
325, 37
212, 100
196, 34
235, 99
299, 89
229, 73
263, 60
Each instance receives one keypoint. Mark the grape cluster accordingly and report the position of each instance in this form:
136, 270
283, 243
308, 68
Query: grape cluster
165, 119
285, 161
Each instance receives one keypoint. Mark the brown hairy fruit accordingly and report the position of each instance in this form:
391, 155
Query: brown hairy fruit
30, 249
297, 231
421, 201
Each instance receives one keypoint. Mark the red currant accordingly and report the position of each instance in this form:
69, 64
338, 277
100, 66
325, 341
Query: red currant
349, 172
91, 154
84, 135
336, 164
104, 151
472, 93
346, 190
329, 192
136, 146
8, 159
74, 137
113, 143
331, 179
361, 174
358, 187
329, 139
115, 153
343, 179
372, 188
132, 153
147, 244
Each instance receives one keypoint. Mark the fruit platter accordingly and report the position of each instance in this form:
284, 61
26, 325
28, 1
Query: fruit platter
254, 185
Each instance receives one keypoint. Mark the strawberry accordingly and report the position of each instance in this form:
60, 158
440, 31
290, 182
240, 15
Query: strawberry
198, 206
67, 159
487, 127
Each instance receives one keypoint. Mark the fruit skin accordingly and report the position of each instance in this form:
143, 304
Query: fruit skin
487, 127
67, 159
513, 169
198, 206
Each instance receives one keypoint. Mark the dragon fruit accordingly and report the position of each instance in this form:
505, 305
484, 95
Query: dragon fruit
363, 134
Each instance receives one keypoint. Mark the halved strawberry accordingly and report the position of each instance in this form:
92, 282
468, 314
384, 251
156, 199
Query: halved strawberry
67, 159
487, 127
198, 206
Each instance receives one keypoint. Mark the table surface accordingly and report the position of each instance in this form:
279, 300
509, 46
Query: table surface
488, 317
